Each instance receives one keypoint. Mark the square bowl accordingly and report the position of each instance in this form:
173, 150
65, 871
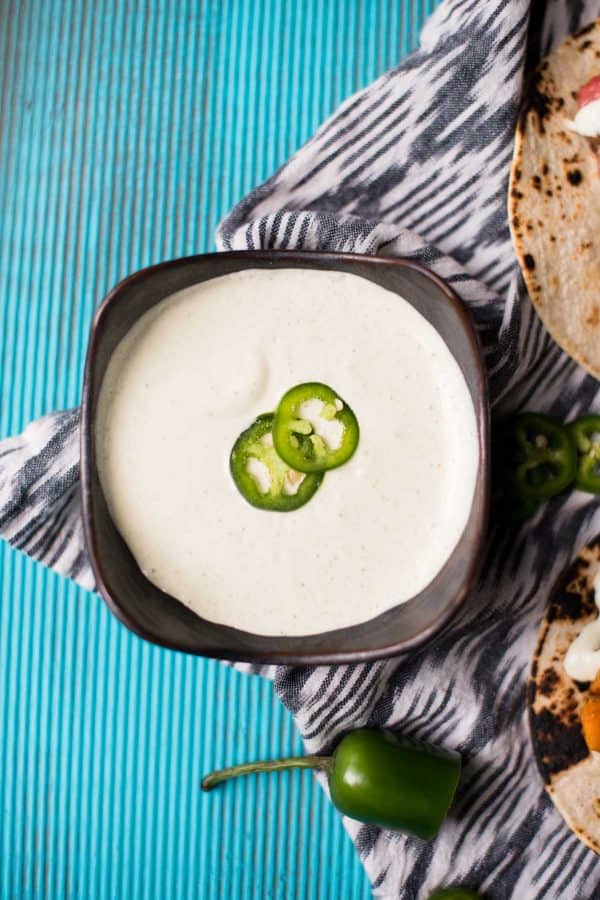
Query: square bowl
159, 617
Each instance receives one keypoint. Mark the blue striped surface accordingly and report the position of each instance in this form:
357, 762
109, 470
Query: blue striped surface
126, 131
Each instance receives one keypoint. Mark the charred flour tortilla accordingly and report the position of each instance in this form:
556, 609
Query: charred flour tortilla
571, 773
554, 200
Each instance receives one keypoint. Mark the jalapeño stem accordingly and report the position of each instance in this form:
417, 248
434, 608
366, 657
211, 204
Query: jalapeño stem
275, 765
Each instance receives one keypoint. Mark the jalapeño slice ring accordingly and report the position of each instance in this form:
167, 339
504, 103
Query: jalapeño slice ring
262, 477
544, 456
585, 432
314, 429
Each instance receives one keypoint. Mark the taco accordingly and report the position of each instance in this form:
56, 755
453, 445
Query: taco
570, 770
554, 194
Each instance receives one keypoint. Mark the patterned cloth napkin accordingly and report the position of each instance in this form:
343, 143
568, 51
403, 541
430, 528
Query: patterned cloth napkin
416, 165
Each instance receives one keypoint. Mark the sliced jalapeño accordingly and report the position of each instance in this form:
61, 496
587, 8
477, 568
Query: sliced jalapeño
543, 456
314, 429
585, 433
262, 477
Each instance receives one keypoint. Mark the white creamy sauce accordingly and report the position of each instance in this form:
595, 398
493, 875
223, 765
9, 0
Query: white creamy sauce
260, 473
587, 120
332, 431
582, 660
195, 371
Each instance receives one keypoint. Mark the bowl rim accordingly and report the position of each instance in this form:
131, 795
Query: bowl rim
482, 489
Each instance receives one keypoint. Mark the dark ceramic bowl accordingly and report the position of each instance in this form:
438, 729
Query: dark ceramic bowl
160, 618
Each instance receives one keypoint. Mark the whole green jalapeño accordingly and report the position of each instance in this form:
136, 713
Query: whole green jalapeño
314, 429
377, 777
262, 477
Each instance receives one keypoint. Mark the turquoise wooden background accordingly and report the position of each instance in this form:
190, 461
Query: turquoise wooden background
127, 130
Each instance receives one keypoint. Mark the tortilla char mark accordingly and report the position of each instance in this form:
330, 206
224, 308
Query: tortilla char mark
593, 319
555, 700
558, 740
587, 29
538, 101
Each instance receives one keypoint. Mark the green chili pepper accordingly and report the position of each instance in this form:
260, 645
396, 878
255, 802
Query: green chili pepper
455, 893
541, 459
379, 778
280, 488
585, 433
304, 432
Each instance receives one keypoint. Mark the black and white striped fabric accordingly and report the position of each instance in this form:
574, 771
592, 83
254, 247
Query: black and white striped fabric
416, 165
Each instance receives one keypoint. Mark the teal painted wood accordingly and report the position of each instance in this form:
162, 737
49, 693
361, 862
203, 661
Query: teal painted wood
127, 130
